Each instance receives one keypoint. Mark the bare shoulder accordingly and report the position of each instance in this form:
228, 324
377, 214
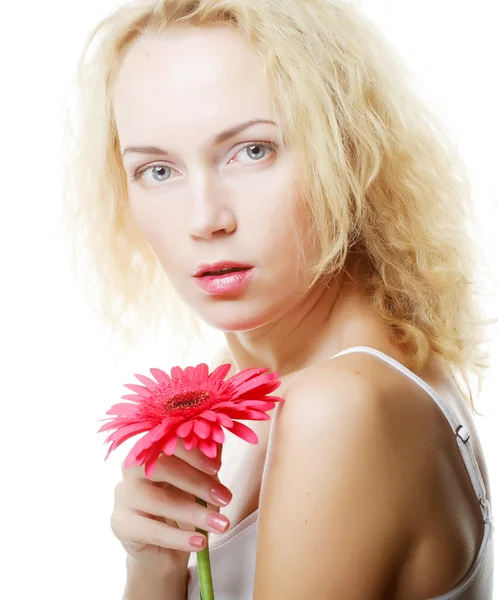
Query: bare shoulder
363, 397
360, 394
363, 469
340, 479
371, 410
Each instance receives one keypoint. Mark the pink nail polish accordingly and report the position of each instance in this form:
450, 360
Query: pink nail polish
221, 495
197, 541
210, 466
218, 522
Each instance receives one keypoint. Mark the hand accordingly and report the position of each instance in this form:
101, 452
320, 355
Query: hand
155, 519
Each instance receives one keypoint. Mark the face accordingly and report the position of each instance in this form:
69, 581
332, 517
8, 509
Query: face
201, 197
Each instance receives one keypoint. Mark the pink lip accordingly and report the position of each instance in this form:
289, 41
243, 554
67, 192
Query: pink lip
217, 266
221, 284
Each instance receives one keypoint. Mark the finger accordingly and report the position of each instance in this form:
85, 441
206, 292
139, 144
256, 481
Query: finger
186, 478
190, 498
171, 505
162, 519
195, 458
133, 528
187, 496
129, 492
199, 460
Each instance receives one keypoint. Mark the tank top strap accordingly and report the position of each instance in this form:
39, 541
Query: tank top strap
462, 435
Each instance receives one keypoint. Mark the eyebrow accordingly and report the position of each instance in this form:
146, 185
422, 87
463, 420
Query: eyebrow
219, 138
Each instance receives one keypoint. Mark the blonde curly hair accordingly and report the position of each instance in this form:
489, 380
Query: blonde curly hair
382, 177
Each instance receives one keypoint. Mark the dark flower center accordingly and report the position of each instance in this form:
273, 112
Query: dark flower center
187, 399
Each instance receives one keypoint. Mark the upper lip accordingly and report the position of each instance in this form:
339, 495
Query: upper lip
222, 264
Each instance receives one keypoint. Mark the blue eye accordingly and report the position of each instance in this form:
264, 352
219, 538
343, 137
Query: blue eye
257, 151
254, 151
154, 168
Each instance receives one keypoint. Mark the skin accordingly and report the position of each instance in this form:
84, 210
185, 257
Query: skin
216, 202
210, 201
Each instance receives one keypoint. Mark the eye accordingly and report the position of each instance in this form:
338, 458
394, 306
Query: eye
256, 151
159, 173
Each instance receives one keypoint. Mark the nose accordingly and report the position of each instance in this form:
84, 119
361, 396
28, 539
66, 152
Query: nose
210, 210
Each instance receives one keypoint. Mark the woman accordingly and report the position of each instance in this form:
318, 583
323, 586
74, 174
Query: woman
280, 138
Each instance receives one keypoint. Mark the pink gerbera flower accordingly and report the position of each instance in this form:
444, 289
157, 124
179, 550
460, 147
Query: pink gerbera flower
193, 405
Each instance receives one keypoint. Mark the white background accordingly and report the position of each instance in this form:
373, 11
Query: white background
59, 373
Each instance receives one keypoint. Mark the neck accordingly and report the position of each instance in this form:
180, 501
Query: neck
309, 332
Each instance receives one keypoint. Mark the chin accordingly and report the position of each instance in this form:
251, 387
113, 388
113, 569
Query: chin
238, 323
240, 316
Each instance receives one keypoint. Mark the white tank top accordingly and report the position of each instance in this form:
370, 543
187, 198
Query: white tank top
233, 557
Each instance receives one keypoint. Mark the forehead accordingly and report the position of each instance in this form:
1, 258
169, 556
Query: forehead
201, 76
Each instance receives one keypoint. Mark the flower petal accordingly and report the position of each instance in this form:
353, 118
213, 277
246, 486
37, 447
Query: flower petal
251, 373
116, 422
147, 440
202, 429
143, 444
257, 386
274, 398
220, 373
189, 373
151, 461
261, 390
224, 420
132, 397
242, 405
258, 404
184, 428
245, 375
117, 442
153, 450
127, 431
170, 446
201, 373
160, 375
177, 374
209, 415
106, 426
142, 391
256, 415
208, 447
244, 432
123, 408
217, 433
246, 414
149, 383
191, 441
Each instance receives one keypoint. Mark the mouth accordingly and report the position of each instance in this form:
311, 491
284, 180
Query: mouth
224, 271
227, 280
221, 268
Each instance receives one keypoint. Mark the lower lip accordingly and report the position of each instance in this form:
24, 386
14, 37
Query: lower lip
221, 284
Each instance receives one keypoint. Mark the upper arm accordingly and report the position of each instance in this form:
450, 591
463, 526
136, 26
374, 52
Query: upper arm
333, 516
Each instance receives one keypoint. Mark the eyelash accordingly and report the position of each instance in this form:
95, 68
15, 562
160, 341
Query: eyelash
138, 176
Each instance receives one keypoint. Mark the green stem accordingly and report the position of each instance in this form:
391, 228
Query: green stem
204, 566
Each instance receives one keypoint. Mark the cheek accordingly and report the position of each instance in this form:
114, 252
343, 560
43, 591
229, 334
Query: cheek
286, 222
298, 242
272, 199
157, 226
141, 213
284, 250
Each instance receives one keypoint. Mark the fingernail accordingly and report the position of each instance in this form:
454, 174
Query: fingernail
197, 541
221, 495
210, 466
217, 522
